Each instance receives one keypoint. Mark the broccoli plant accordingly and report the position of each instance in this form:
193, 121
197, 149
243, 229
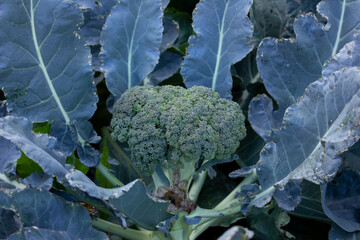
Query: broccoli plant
172, 132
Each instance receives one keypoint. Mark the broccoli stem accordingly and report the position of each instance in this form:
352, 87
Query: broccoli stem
180, 230
121, 153
197, 186
108, 175
118, 230
229, 204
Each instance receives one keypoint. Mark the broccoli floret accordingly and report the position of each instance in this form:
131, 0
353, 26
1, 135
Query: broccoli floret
169, 126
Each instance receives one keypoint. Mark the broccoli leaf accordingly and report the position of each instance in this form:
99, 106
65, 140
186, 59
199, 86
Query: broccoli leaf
288, 66
319, 127
46, 212
274, 18
131, 199
262, 117
9, 223
348, 56
38, 147
9, 155
223, 33
45, 72
267, 223
310, 205
131, 40
337, 233
169, 64
341, 200
94, 20
170, 34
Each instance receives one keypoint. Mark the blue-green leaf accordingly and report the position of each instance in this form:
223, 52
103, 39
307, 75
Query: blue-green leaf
337, 233
94, 20
9, 223
262, 117
223, 37
32, 233
274, 18
169, 64
45, 67
45, 211
341, 200
319, 127
39, 180
310, 205
348, 56
137, 205
288, 67
38, 147
289, 197
170, 34
9, 155
131, 199
131, 40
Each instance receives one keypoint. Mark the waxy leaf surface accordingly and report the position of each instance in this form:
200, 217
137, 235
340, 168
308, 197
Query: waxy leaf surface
288, 66
45, 67
341, 200
38, 147
223, 37
320, 126
131, 199
131, 40
49, 213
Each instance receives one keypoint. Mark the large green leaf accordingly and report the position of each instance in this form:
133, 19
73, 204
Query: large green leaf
320, 126
223, 37
288, 66
43, 214
131, 40
45, 67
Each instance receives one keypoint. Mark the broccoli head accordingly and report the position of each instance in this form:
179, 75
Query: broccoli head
169, 126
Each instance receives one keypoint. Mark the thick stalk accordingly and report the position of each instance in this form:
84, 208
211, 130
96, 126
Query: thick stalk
121, 153
180, 230
108, 175
118, 230
226, 202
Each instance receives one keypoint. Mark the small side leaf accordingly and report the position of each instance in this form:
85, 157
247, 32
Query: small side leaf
262, 117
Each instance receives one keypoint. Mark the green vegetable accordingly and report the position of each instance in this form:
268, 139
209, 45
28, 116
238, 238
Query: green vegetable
176, 128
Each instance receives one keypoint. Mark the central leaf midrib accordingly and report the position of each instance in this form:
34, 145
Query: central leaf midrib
220, 45
43, 67
339, 30
131, 47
